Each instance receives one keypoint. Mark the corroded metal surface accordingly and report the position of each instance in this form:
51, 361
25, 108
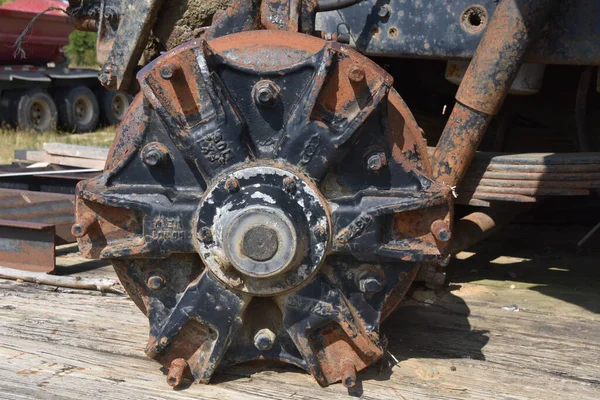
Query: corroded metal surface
31, 225
495, 65
284, 142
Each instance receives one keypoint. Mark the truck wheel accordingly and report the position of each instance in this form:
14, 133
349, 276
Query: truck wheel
114, 106
35, 111
78, 110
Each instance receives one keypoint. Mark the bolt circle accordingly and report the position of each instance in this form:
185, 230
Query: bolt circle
156, 281
266, 93
356, 74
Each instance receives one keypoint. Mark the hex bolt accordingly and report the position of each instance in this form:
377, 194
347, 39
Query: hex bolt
320, 232
376, 161
236, 282
356, 74
232, 185
205, 235
80, 229
177, 369
441, 230
369, 284
384, 11
156, 281
264, 339
348, 374
342, 240
107, 79
265, 93
155, 154
167, 70
289, 184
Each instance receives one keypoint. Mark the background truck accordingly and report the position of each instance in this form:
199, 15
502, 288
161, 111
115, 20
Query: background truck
38, 91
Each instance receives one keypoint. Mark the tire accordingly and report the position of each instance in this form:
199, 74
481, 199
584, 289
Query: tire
78, 110
114, 106
34, 111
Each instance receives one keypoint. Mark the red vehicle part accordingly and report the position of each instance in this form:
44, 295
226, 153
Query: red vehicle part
49, 33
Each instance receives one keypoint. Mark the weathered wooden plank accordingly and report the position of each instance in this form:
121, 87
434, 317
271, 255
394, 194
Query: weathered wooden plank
73, 150
42, 156
463, 347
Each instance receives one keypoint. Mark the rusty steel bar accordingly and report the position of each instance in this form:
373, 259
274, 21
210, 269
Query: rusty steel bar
27, 246
495, 64
31, 224
478, 225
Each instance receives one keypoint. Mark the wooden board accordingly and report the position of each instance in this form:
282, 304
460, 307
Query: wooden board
74, 150
462, 344
42, 156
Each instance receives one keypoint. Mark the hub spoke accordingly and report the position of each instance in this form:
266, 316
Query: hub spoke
207, 303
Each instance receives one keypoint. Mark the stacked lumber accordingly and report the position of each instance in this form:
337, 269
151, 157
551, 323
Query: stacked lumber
66, 154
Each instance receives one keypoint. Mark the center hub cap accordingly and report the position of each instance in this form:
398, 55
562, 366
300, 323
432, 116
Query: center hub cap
262, 229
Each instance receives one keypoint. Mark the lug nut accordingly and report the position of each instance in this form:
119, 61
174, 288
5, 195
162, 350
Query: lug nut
356, 74
265, 93
264, 339
155, 154
205, 235
168, 70
369, 284
376, 161
156, 281
289, 184
232, 185
441, 230
176, 371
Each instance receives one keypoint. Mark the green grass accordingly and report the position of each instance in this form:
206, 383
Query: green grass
11, 140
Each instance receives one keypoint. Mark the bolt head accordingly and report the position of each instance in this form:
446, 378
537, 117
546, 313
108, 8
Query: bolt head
384, 11
264, 339
320, 232
356, 74
375, 162
236, 282
156, 282
168, 70
370, 284
266, 93
232, 185
205, 235
289, 184
154, 154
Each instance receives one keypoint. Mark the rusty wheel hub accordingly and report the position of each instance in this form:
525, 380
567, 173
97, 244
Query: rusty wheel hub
267, 197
